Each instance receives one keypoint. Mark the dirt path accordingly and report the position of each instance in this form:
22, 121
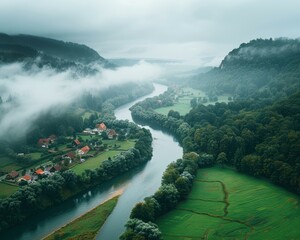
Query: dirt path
225, 192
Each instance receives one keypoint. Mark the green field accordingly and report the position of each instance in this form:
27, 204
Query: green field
4, 160
94, 162
7, 189
183, 106
115, 147
86, 226
225, 204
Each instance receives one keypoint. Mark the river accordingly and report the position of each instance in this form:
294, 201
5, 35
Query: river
137, 185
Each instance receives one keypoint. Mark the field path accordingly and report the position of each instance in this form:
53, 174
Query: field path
226, 195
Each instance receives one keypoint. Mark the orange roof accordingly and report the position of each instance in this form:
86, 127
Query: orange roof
85, 149
102, 126
39, 171
27, 177
76, 141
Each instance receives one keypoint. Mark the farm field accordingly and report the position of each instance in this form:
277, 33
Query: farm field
7, 189
225, 204
86, 226
182, 104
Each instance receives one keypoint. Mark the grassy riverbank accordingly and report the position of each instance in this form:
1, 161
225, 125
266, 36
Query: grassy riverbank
87, 225
225, 204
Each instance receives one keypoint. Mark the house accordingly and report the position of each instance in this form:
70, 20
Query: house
55, 168
76, 142
39, 172
44, 142
83, 150
26, 178
71, 155
111, 134
101, 127
52, 138
12, 176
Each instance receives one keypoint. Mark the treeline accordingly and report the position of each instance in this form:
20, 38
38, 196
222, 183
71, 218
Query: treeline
143, 112
261, 141
177, 182
52, 190
113, 97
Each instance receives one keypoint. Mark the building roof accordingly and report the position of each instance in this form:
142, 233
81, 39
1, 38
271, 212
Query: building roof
76, 141
27, 177
112, 132
39, 172
102, 127
13, 174
57, 167
71, 155
85, 149
43, 141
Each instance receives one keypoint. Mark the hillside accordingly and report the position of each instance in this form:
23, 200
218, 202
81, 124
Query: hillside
51, 52
267, 69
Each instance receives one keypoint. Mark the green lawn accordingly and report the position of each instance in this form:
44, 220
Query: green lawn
121, 145
35, 155
86, 226
94, 162
4, 160
255, 210
7, 189
183, 106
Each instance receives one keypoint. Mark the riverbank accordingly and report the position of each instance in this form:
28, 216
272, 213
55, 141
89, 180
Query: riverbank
88, 224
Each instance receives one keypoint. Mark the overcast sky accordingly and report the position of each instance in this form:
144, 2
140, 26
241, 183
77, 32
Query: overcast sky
199, 31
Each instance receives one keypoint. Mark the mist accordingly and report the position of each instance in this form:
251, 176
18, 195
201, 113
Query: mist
28, 94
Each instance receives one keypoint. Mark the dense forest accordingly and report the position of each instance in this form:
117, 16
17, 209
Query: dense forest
263, 68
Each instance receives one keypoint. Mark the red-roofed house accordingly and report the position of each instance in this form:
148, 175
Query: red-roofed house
101, 127
111, 134
13, 175
44, 142
55, 168
76, 142
71, 155
26, 178
83, 150
39, 172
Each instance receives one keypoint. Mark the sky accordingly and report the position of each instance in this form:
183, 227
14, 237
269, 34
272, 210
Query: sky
201, 32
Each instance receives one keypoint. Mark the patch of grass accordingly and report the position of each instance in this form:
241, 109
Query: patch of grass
121, 145
257, 209
35, 155
94, 162
86, 226
182, 104
7, 189
4, 160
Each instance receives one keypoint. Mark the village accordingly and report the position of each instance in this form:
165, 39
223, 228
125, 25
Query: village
86, 151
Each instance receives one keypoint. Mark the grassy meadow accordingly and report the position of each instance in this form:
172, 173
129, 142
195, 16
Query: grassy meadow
225, 204
182, 104
86, 226
7, 189
96, 161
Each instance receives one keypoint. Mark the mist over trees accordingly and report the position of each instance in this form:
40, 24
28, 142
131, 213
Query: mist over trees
263, 68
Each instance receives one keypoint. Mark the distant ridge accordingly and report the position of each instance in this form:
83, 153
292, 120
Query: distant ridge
20, 47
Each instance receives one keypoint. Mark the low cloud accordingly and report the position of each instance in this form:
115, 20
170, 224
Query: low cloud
39, 90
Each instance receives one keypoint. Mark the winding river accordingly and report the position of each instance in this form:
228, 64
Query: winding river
136, 185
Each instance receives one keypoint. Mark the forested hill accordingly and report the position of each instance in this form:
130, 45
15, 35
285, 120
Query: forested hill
267, 69
23, 47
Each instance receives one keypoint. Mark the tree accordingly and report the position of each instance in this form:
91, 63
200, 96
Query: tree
222, 159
